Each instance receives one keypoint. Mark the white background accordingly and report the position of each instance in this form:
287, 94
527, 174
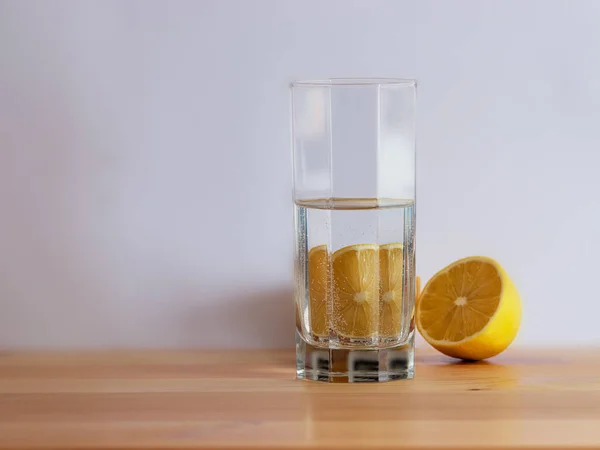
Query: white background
145, 162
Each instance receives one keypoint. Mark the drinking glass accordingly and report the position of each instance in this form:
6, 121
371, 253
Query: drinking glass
353, 145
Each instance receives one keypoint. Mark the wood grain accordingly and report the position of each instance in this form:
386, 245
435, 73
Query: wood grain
250, 399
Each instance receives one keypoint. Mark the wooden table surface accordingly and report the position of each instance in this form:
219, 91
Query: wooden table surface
250, 399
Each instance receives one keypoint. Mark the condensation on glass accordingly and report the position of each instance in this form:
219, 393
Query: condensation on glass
353, 144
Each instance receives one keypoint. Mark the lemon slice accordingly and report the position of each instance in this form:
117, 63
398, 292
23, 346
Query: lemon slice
390, 294
318, 276
470, 309
355, 277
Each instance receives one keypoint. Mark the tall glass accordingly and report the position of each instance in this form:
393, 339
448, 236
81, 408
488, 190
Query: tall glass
354, 192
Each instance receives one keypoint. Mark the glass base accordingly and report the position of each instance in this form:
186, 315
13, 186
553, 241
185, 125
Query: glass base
356, 365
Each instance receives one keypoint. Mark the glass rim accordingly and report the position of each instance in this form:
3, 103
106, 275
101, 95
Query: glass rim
373, 81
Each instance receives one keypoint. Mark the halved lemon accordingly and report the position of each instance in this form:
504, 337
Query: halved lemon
355, 277
390, 295
470, 309
318, 284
